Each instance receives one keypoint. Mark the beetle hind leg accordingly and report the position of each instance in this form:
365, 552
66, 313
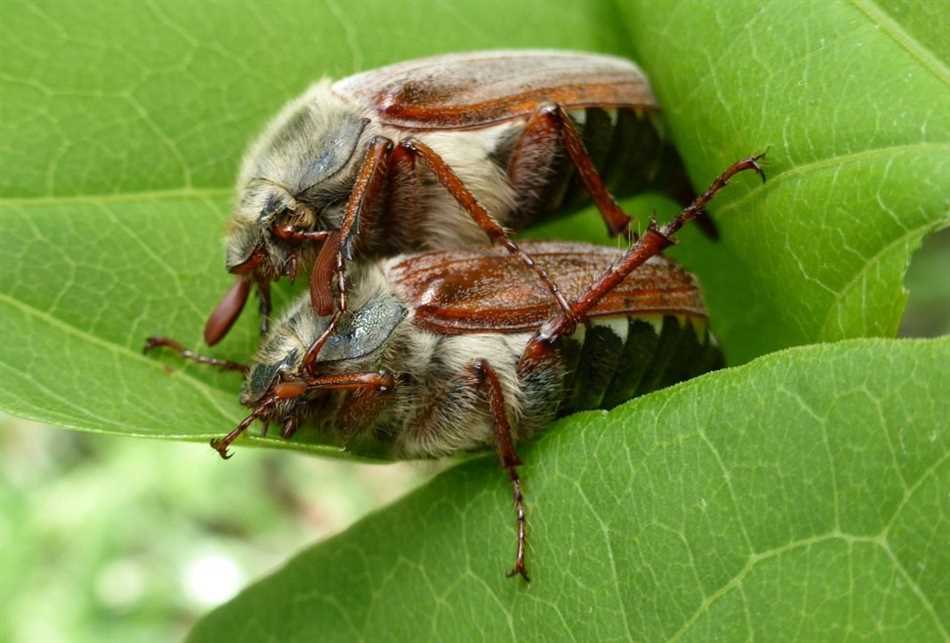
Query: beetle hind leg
555, 119
653, 242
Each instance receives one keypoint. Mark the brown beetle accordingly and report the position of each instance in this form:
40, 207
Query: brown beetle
450, 351
437, 153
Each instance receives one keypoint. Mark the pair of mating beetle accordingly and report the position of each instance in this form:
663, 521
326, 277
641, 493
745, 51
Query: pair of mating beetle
451, 349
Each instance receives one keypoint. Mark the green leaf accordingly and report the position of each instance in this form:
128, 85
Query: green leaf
852, 101
802, 496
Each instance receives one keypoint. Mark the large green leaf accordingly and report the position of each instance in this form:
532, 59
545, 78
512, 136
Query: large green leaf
852, 100
802, 496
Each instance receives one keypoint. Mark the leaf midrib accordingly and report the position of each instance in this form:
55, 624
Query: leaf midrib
911, 45
836, 161
115, 348
116, 197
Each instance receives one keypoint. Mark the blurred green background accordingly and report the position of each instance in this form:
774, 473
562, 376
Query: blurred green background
928, 279
101, 538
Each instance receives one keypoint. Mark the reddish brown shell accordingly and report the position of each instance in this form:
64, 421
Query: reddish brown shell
454, 292
477, 89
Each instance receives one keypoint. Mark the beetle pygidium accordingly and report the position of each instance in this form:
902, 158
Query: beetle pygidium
438, 153
449, 351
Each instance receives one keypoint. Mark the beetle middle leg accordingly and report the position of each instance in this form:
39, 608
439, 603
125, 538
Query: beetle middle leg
504, 444
496, 233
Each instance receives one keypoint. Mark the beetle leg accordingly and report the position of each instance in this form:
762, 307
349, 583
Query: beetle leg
289, 233
338, 246
451, 182
329, 263
221, 444
487, 378
653, 242
369, 180
403, 197
289, 427
379, 380
557, 118
552, 119
166, 342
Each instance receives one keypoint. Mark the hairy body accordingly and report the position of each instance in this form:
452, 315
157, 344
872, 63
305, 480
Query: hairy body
441, 153
447, 351
428, 319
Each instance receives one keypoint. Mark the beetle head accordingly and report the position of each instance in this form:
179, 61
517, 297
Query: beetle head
297, 176
279, 389
298, 173
252, 245
353, 346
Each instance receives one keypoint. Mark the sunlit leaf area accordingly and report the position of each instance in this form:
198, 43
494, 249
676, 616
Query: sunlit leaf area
798, 494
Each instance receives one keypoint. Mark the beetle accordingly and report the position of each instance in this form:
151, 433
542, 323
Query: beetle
438, 153
450, 351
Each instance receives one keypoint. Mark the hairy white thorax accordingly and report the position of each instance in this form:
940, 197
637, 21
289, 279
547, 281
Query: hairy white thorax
287, 140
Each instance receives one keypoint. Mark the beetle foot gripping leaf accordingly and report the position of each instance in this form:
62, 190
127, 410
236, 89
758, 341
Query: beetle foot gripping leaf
261, 411
694, 209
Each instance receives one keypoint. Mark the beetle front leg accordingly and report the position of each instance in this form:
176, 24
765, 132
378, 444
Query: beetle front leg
264, 305
369, 180
338, 246
504, 444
